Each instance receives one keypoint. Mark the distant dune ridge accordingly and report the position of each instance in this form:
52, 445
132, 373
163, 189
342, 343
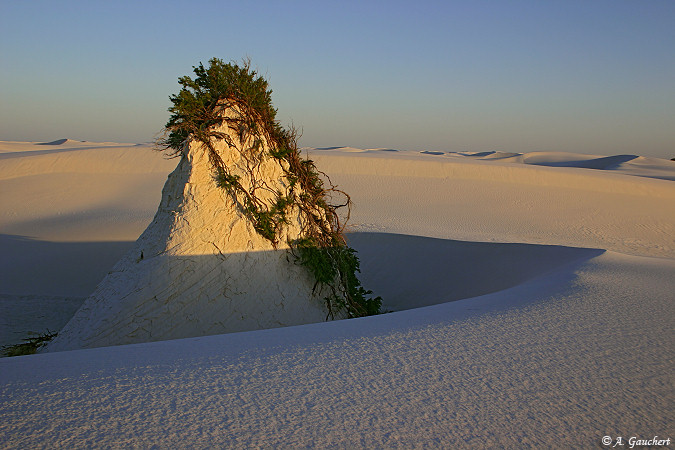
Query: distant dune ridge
532, 299
628, 164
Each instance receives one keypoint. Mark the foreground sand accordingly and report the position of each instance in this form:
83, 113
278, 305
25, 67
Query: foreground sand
562, 267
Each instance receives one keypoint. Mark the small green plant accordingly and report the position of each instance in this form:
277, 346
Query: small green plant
235, 96
29, 345
338, 262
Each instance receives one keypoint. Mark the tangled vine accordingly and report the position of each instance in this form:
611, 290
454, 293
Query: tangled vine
235, 96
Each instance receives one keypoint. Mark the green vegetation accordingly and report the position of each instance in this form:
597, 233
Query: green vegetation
336, 266
235, 96
29, 345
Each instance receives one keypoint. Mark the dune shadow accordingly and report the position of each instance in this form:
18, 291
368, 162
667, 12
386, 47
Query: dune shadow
406, 271
414, 271
54, 151
51, 151
56, 142
481, 154
43, 283
72, 269
23, 316
603, 163
429, 152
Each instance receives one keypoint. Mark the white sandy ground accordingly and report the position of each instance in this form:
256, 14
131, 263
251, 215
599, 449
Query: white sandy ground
564, 267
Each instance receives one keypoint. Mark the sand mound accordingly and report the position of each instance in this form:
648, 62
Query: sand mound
200, 267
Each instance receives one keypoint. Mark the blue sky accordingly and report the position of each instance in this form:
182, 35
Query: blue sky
582, 76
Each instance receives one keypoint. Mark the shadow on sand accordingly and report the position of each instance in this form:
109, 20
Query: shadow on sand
31, 266
407, 271
414, 271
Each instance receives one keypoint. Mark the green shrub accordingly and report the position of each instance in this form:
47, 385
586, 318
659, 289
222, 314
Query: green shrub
29, 345
197, 113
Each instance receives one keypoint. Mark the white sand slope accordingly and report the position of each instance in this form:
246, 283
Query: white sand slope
560, 332
491, 201
79, 192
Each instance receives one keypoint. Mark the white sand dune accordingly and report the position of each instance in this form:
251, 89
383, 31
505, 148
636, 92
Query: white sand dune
490, 201
533, 301
80, 193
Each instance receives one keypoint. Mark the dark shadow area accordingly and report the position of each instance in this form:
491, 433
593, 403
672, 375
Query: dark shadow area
56, 142
428, 152
53, 151
70, 269
481, 154
410, 270
414, 271
400, 268
24, 315
603, 163
42, 283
